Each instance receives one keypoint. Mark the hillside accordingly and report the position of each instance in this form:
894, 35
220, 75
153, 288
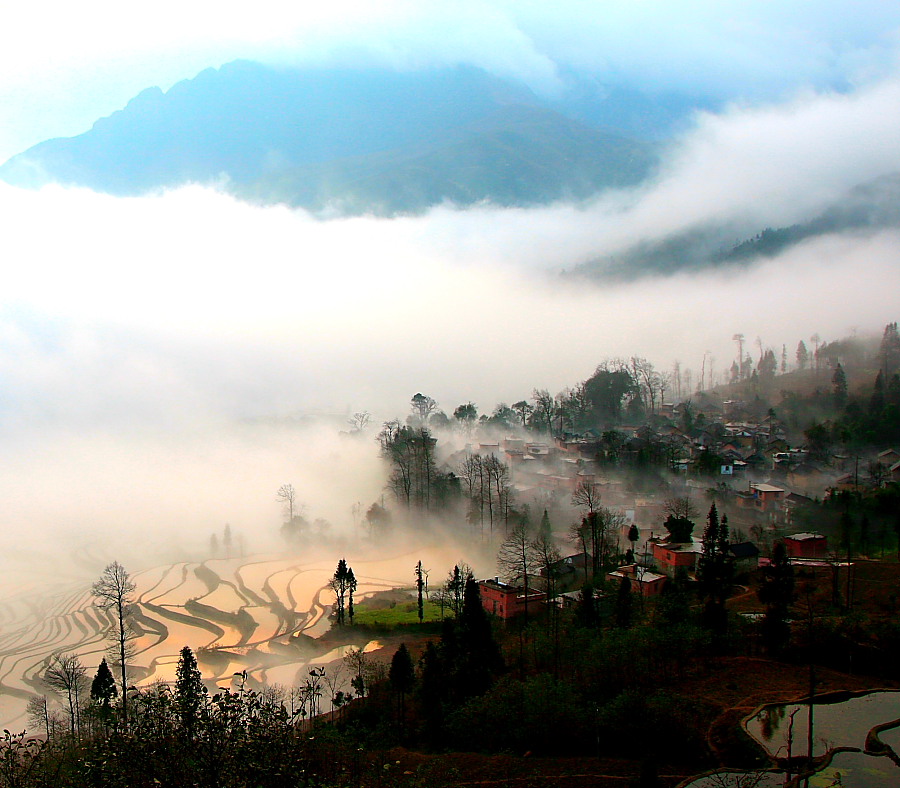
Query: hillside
869, 206
363, 140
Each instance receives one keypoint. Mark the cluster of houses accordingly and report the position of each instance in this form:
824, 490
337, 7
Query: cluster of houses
508, 600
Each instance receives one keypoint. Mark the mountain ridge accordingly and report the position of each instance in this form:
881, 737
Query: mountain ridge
395, 141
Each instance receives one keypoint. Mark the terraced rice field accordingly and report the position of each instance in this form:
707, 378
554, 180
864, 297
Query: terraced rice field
259, 614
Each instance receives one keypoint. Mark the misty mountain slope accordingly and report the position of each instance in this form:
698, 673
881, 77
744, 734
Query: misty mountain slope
365, 138
869, 206
520, 155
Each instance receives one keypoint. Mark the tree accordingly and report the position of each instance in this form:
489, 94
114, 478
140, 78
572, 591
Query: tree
410, 452
523, 410
680, 507
545, 529
420, 587
633, 536
287, 495
586, 496
839, 386
351, 590
422, 407
455, 587
65, 676
190, 692
544, 410
226, 540
679, 528
802, 355
777, 593
466, 414
715, 572
889, 351
339, 584
402, 677
479, 656
103, 688
516, 558
624, 610
113, 591
360, 420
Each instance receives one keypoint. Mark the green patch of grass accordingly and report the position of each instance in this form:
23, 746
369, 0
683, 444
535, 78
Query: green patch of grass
402, 614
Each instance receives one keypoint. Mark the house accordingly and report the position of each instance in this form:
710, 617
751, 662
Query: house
745, 555
888, 457
505, 600
571, 571
669, 557
642, 580
767, 496
806, 545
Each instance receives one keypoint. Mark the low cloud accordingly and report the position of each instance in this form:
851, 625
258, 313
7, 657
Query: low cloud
155, 352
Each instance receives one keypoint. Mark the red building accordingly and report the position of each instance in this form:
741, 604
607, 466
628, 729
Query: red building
642, 580
668, 557
504, 600
806, 545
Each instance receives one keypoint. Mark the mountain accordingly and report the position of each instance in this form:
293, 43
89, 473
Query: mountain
360, 140
869, 206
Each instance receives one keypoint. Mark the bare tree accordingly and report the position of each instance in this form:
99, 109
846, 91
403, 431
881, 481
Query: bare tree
113, 591
65, 675
516, 558
586, 497
680, 508
360, 420
287, 495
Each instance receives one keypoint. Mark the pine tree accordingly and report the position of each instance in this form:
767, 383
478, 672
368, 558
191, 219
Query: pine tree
103, 687
420, 586
802, 355
402, 677
190, 692
624, 606
839, 386
351, 590
339, 585
777, 594
715, 572
890, 350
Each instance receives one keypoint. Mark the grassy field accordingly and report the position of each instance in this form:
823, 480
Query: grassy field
400, 614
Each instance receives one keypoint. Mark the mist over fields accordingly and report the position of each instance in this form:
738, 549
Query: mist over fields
154, 348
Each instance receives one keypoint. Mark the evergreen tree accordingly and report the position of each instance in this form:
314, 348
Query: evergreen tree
679, 529
351, 590
624, 605
545, 528
104, 692
586, 614
777, 594
715, 572
339, 584
479, 655
890, 350
190, 692
839, 386
420, 586
802, 355
402, 677
876, 402
103, 687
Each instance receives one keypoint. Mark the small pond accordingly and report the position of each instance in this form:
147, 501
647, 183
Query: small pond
857, 770
844, 723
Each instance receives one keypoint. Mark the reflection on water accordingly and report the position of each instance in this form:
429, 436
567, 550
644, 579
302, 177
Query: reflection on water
782, 729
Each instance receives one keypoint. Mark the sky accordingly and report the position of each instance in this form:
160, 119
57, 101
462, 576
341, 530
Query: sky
148, 345
64, 65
